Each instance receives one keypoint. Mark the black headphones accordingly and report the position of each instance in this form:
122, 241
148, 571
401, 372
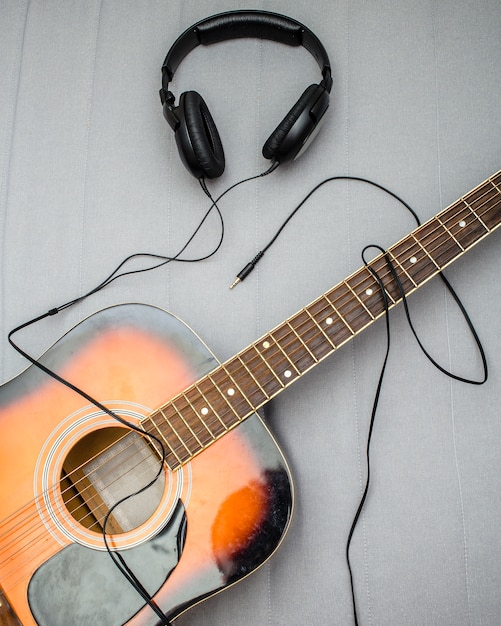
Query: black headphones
197, 137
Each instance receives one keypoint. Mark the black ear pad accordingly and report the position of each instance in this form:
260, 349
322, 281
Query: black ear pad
197, 137
291, 136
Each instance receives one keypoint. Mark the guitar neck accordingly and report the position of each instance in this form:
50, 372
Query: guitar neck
212, 406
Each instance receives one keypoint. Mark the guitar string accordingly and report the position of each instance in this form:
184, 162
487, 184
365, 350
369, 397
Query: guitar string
287, 354
354, 301
122, 566
47, 492
346, 280
34, 538
438, 228
286, 350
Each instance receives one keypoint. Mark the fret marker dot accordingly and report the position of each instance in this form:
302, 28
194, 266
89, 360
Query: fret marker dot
231, 391
413, 259
287, 373
329, 321
462, 224
204, 411
369, 292
266, 344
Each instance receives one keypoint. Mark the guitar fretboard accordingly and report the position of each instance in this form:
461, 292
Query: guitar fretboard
221, 400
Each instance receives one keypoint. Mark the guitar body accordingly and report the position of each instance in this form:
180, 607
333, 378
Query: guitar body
64, 464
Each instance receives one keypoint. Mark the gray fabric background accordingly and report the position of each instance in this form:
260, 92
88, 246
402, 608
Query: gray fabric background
89, 173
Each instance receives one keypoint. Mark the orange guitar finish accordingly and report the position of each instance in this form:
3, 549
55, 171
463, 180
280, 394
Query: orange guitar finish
133, 359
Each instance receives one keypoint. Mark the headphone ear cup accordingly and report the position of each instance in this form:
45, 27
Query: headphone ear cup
197, 137
290, 137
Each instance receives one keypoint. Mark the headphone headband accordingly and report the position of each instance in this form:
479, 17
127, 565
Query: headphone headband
243, 24
197, 137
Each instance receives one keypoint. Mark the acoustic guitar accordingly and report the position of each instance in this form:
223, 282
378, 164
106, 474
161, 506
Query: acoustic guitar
224, 498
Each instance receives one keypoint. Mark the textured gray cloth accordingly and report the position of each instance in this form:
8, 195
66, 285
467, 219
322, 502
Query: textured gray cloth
89, 173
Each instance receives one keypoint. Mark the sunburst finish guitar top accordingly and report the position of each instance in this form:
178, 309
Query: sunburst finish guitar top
223, 499
203, 526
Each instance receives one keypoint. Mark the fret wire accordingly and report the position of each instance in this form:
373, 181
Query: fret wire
491, 207
277, 359
433, 229
280, 366
464, 224
435, 249
291, 333
348, 326
253, 377
476, 210
359, 300
492, 201
450, 233
289, 350
316, 326
475, 213
368, 283
186, 422
322, 313
380, 265
444, 248
174, 418
486, 195
415, 250
494, 184
170, 446
357, 308
426, 251
210, 423
485, 191
316, 341
350, 300
305, 309
154, 430
182, 404
463, 211
408, 253
333, 310
343, 300
174, 430
291, 362
263, 360
213, 412
222, 368
303, 343
217, 413
396, 260
211, 375
437, 229
415, 262
440, 246
445, 212
327, 311
421, 246
311, 329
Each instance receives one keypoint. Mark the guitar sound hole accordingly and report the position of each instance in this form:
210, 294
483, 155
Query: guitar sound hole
104, 467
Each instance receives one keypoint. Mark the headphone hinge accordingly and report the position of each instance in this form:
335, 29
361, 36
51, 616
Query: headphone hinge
167, 99
327, 81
